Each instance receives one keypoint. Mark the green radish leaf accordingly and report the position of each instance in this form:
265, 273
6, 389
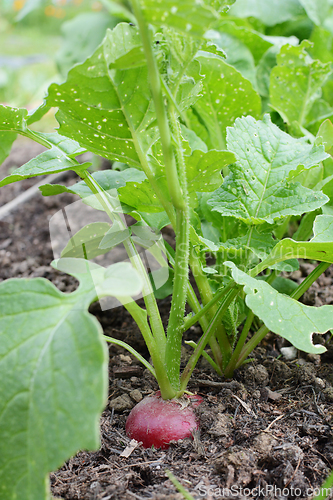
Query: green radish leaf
81, 35
283, 315
317, 10
53, 373
145, 233
257, 191
270, 13
296, 83
12, 119
115, 235
257, 244
284, 285
320, 247
244, 47
58, 158
50, 161
250, 246
69, 147
134, 190
268, 61
188, 16
204, 169
257, 43
6, 141
140, 197
193, 140
226, 96
182, 50
325, 135
238, 55
85, 243
109, 180
114, 105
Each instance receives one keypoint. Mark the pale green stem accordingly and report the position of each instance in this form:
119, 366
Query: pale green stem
150, 301
206, 296
223, 307
176, 194
202, 310
130, 349
181, 267
204, 323
167, 392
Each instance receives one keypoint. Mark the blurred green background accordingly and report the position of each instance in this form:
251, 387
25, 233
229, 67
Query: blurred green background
40, 40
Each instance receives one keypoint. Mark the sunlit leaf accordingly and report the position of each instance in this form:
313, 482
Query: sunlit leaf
189, 16
320, 247
296, 82
53, 373
282, 314
226, 96
257, 190
270, 13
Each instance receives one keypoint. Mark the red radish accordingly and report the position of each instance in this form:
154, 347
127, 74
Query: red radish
156, 421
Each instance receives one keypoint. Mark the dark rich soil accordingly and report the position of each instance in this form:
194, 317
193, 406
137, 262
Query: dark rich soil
267, 433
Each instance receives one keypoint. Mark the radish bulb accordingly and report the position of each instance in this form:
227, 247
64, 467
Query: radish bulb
156, 421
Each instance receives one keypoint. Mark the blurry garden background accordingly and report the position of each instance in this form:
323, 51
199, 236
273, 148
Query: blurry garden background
40, 40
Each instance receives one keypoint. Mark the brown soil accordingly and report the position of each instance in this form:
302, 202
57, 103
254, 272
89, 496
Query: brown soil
267, 433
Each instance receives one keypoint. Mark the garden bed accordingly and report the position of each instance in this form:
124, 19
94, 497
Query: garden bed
269, 428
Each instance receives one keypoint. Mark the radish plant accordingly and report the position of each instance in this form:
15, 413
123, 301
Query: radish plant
197, 153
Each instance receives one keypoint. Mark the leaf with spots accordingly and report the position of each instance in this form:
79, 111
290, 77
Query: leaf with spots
257, 189
189, 16
226, 96
53, 372
203, 169
283, 315
105, 103
58, 158
12, 119
179, 55
296, 82
243, 46
255, 41
245, 249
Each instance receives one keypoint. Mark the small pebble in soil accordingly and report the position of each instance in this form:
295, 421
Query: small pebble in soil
121, 403
289, 353
136, 395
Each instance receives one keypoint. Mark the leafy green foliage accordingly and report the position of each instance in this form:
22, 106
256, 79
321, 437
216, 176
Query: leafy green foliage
176, 100
282, 314
257, 189
296, 83
317, 10
6, 141
51, 351
219, 106
187, 16
114, 101
320, 247
81, 36
274, 12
